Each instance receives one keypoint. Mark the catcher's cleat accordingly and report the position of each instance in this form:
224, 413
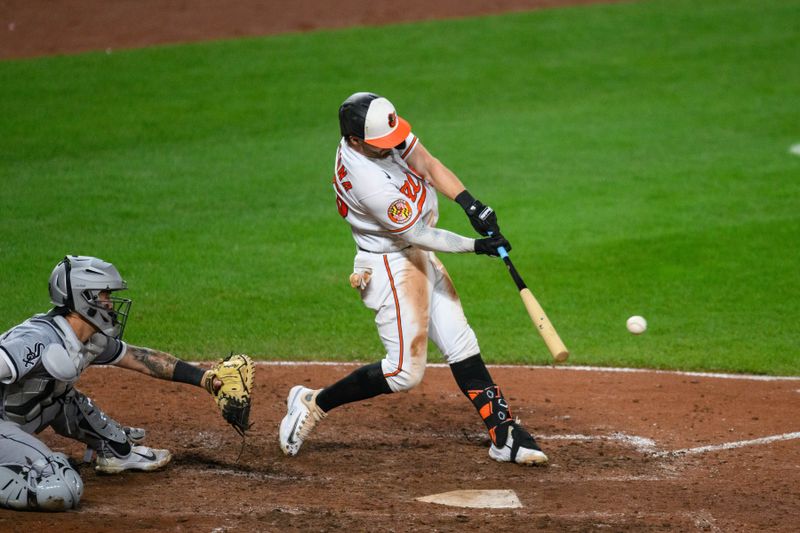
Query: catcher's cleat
301, 417
519, 448
140, 458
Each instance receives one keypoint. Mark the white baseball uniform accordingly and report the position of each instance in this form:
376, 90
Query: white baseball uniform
410, 290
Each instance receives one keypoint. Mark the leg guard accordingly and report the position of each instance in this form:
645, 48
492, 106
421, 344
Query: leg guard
16, 491
494, 411
45, 485
62, 490
135, 435
80, 419
476, 383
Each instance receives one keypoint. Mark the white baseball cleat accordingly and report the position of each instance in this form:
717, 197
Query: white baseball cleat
519, 448
302, 414
140, 458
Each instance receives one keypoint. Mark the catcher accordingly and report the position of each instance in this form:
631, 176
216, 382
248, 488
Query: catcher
42, 358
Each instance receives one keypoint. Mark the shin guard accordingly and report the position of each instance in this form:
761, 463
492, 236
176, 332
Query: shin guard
476, 383
494, 411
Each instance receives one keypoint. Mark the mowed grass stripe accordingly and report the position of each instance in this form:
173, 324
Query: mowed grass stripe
637, 155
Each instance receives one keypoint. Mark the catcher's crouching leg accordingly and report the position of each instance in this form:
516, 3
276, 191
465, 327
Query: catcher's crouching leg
32, 477
82, 420
48, 484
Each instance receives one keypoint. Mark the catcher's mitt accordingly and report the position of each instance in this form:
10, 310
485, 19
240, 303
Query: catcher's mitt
233, 396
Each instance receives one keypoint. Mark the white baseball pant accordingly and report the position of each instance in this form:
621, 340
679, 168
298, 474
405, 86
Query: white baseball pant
414, 299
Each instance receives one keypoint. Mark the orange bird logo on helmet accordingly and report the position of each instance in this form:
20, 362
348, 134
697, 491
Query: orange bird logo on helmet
392, 120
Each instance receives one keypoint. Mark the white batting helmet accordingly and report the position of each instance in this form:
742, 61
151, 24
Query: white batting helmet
372, 118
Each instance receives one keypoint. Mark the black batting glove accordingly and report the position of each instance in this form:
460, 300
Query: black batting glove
489, 245
482, 217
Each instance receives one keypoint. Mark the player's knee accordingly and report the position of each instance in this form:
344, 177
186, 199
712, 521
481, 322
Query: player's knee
61, 490
463, 346
415, 377
406, 379
49, 484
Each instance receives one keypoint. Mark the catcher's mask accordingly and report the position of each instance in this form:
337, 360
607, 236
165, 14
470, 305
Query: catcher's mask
372, 118
86, 285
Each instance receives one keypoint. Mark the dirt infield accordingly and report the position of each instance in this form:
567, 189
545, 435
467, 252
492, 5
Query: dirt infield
608, 434
44, 27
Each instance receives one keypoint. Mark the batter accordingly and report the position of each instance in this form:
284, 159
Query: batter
386, 186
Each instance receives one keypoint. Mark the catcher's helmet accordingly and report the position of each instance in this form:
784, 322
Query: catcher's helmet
372, 118
76, 283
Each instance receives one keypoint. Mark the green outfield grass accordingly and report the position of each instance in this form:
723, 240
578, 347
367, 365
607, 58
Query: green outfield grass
637, 155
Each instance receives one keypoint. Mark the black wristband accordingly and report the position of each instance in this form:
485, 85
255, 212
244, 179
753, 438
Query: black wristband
464, 199
186, 373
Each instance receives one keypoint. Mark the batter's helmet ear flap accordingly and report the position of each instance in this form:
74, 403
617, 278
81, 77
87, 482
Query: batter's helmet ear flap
353, 113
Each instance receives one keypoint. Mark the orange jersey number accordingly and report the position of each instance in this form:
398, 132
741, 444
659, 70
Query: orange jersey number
341, 174
411, 187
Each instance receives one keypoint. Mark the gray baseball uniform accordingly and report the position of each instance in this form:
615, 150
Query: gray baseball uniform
32, 399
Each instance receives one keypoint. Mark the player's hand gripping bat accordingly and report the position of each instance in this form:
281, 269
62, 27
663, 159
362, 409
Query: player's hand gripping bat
537, 314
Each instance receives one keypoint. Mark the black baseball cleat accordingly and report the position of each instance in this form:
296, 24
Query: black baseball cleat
519, 448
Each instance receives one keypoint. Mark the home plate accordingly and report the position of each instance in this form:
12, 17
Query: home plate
481, 499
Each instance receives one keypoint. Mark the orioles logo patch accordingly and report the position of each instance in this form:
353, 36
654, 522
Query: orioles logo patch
392, 120
399, 212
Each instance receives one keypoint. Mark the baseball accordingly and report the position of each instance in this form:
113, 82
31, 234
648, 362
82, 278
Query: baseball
636, 325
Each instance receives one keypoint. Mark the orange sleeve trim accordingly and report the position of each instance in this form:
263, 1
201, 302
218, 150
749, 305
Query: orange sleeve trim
410, 146
399, 322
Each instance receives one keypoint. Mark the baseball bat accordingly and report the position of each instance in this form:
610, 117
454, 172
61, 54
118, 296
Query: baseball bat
537, 314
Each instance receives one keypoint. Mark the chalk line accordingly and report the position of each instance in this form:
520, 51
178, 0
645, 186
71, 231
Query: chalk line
751, 377
730, 445
641, 444
649, 446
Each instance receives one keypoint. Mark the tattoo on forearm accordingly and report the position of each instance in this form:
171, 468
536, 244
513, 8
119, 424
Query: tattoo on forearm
159, 364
